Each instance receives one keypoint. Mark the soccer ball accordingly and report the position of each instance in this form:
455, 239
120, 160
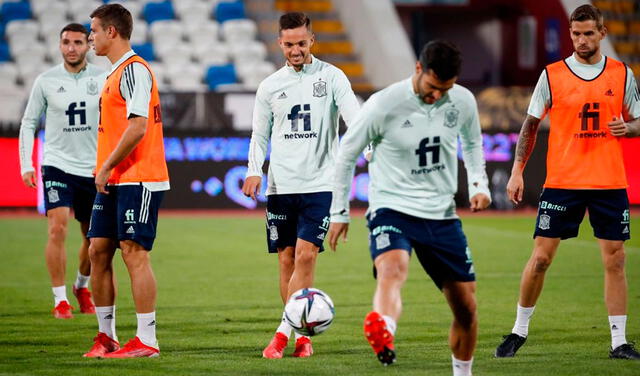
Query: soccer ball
309, 311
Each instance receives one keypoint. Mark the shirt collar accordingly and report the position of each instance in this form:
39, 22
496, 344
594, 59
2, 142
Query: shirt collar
446, 98
306, 68
124, 57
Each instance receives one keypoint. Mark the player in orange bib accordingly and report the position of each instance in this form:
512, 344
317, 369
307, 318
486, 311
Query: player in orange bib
592, 101
131, 177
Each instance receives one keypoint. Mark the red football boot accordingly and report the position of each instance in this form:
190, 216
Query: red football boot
380, 339
84, 300
303, 348
134, 349
103, 344
63, 310
276, 347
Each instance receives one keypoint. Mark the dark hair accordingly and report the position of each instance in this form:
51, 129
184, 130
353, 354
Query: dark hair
75, 27
117, 16
442, 57
294, 20
587, 12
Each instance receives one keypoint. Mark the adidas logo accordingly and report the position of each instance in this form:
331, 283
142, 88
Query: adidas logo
406, 124
283, 96
626, 230
130, 230
613, 327
152, 323
61, 90
108, 317
609, 93
321, 236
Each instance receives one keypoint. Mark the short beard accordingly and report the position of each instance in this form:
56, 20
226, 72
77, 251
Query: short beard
586, 55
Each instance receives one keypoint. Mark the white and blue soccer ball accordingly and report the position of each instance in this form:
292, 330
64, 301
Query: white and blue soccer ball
309, 311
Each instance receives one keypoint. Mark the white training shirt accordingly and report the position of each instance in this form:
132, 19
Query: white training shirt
70, 104
414, 166
541, 97
298, 112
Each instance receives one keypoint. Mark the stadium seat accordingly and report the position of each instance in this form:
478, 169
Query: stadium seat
22, 29
206, 28
4, 52
51, 30
206, 35
134, 7
144, 50
213, 54
56, 12
159, 72
252, 74
166, 32
250, 51
139, 33
193, 10
229, 10
40, 6
186, 78
15, 11
235, 31
153, 12
81, 9
220, 75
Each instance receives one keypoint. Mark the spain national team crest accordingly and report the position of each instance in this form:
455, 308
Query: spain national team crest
545, 222
92, 87
53, 195
451, 117
320, 88
273, 233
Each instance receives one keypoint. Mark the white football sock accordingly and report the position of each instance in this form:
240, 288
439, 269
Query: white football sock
461, 367
146, 331
59, 294
391, 324
107, 321
521, 327
82, 281
617, 325
284, 327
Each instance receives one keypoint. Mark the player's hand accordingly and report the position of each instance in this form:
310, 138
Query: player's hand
618, 127
29, 179
336, 230
515, 188
102, 177
479, 201
251, 187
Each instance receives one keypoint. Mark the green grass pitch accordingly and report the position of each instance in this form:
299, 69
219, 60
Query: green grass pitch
218, 305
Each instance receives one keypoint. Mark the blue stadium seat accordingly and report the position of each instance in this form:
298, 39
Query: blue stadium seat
87, 26
3, 26
221, 74
4, 52
144, 50
227, 10
158, 11
15, 11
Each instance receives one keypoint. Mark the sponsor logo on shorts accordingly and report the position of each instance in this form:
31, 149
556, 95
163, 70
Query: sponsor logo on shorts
545, 222
625, 216
549, 206
325, 224
382, 241
97, 207
53, 195
280, 217
471, 270
51, 183
381, 229
273, 233
129, 216
321, 236
469, 258
626, 230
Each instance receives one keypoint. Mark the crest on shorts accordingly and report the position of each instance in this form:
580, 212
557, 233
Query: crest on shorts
451, 117
320, 88
382, 241
545, 222
92, 87
53, 195
273, 233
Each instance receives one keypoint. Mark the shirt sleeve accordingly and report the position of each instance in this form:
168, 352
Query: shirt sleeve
472, 152
344, 97
261, 133
36, 106
541, 98
631, 105
135, 86
362, 131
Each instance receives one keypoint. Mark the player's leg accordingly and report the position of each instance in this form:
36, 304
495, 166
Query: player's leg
137, 219
560, 213
609, 216
304, 268
464, 328
286, 263
84, 196
56, 259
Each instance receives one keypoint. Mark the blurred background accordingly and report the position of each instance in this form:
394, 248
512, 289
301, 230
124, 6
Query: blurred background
210, 55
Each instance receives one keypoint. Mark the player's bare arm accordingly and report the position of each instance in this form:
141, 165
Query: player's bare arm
336, 231
620, 128
251, 186
524, 148
129, 140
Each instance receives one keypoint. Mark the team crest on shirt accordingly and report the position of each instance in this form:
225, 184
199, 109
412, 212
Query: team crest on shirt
92, 87
320, 88
451, 117
273, 233
545, 222
53, 195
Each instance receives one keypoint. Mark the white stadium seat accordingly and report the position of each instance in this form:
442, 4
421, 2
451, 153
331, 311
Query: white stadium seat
139, 33
186, 78
51, 28
134, 7
8, 75
252, 74
40, 6
55, 10
178, 54
24, 29
242, 30
215, 54
206, 34
192, 11
250, 51
81, 9
166, 32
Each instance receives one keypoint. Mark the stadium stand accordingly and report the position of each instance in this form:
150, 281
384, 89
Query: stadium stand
622, 18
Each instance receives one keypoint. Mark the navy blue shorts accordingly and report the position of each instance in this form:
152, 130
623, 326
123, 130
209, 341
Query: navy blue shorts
440, 245
128, 212
297, 216
561, 211
67, 190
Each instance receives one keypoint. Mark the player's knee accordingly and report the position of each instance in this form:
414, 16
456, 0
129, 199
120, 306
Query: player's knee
133, 255
305, 257
466, 315
541, 263
395, 273
57, 232
614, 262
